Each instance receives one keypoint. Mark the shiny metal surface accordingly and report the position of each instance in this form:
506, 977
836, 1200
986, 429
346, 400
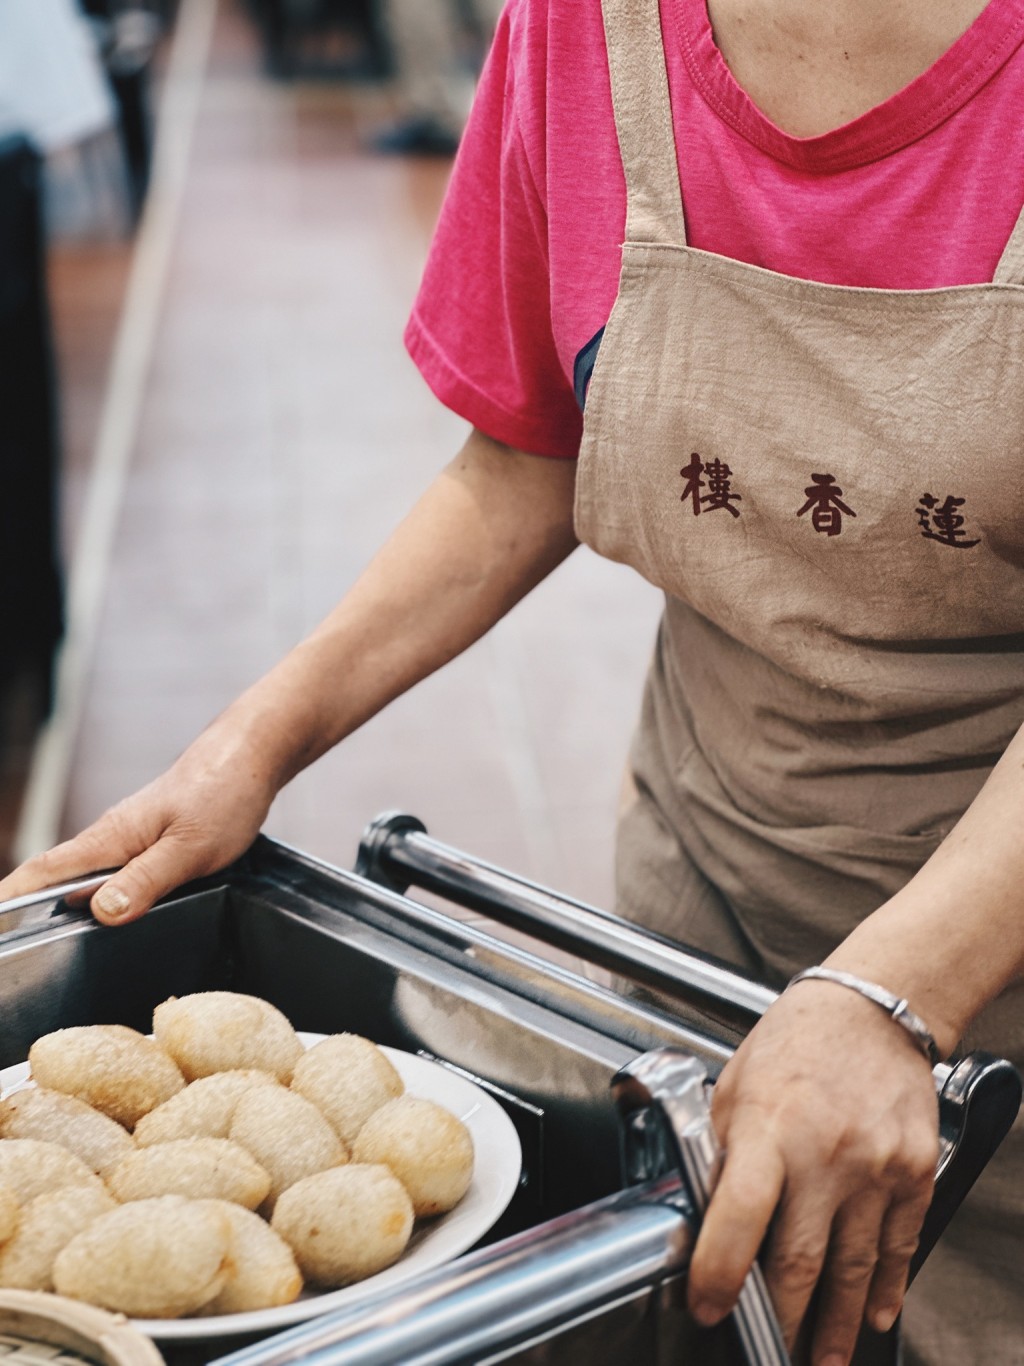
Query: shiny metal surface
671, 1086
529, 976
37, 907
491, 1301
397, 851
978, 1101
338, 952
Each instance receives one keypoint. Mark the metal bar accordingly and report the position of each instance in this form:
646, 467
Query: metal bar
978, 1102
19, 910
979, 1096
491, 1300
397, 851
270, 866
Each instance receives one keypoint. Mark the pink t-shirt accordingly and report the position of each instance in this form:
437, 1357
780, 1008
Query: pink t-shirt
920, 192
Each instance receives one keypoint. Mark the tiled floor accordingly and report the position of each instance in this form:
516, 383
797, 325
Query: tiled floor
283, 433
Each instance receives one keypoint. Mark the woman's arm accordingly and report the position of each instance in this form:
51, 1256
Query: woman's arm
828, 1110
492, 525
953, 937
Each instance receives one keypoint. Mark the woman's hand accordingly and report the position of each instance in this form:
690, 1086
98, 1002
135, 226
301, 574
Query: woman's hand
193, 820
828, 1116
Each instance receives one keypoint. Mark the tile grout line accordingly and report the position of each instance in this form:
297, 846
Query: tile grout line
46, 789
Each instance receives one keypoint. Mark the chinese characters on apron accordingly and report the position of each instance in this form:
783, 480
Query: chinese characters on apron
827, 484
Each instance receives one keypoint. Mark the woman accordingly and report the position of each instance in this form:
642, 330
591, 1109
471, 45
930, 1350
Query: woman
787, 425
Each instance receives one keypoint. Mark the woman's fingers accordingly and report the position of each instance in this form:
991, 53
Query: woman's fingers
142, 874
868, 1262
152, 846
897, 1245
131, 892
797, 1252
856, 1257
190, 821
853, 1254
103, 845
734, 1226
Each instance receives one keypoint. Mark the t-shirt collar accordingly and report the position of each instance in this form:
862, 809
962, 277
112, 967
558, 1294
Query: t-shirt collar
911, 113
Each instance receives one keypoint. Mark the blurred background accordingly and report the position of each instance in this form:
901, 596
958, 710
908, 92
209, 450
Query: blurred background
213, 218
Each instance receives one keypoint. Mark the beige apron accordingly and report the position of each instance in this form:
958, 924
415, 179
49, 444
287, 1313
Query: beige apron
827, 484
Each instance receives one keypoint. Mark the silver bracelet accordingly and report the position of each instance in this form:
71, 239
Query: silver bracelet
895, 1007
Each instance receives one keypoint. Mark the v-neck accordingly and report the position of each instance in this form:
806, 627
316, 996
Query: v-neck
914, 111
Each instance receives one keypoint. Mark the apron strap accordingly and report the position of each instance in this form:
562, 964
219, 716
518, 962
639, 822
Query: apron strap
1010, 270
643, 121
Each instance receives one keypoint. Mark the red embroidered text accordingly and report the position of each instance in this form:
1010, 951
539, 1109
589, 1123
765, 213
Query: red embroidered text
942, 522
716, 477
825, 504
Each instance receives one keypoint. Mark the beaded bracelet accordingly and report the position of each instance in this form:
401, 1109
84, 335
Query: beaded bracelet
894, 1006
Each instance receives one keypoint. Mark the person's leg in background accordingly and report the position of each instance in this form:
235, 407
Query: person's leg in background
435, 76
426, 43
30, 580
30, 586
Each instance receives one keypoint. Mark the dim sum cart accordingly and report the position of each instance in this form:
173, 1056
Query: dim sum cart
588, 1263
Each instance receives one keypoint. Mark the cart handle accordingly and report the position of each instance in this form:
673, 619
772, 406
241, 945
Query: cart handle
488, 1301
396, 852
979, 1096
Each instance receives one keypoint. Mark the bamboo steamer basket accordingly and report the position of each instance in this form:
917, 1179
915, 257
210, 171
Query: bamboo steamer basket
48, 1330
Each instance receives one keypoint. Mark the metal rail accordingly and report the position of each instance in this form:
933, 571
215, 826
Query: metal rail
37, 907
397, 852
550, 1275
539, 1283
534, 1283
978, 1097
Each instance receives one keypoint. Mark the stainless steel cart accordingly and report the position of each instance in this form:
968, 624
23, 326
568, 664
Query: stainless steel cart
589, 1262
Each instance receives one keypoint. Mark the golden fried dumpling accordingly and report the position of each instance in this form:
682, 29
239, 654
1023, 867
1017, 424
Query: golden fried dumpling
47, 1225
223, 1031
54, 1117
427, 1148
153, 1259
345, 1224
9, 1214
264, 1273
346, 1077
30, 1167
110, 1067
286, 1134
200, 1168
203, 1110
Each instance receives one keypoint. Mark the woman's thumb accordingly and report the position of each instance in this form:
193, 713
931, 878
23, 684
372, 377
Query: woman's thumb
130, 893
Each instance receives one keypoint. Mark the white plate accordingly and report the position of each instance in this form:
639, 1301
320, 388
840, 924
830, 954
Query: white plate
497, 1162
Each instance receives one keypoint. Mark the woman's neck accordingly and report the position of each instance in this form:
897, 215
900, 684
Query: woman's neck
811, 67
